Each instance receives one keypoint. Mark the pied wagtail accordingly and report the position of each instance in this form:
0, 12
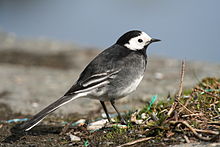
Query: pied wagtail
113, 74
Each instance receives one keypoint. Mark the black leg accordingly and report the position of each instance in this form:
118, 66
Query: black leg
106, 112
119, 115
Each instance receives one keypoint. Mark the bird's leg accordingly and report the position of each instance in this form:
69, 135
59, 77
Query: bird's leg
119, 115
106, 111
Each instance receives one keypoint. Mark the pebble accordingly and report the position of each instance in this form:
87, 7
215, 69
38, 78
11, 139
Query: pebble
74, 138
35, 105
143, 116
139, 121
97, 124
109, 143
186, 96
80, 122
158, 76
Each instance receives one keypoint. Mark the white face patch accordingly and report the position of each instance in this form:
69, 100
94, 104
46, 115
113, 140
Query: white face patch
138, 43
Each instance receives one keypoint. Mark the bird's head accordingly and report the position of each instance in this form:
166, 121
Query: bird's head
136, 40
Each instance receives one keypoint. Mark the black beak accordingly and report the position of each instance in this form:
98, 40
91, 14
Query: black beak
154, 40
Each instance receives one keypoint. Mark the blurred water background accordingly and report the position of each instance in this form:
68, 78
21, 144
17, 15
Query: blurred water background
188, 29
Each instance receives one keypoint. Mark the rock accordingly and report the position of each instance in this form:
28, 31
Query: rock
35, 104
158, 76
143, 116
73, 137
139, 121
97, 125
80, 122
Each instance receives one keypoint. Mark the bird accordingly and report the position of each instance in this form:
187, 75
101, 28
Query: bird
113, 74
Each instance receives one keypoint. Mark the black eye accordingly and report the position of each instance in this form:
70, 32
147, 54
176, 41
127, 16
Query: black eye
140, 40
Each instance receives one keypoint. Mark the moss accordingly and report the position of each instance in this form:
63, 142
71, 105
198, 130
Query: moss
187, 92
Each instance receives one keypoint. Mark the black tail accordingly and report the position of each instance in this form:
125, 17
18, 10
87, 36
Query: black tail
43, 113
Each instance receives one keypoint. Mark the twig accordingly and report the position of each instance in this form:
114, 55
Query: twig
136, 141
207, 131
181, 79
171, 109
184, 107
194, 114
214, 103
218, 83
65, 128
180, 89
199, 89
199, 136
215, 122
186, 138
186, 103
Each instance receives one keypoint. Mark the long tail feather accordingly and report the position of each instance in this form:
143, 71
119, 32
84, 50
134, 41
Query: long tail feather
43, 113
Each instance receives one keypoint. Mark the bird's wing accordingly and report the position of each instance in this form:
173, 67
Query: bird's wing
97, 73
92, 82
